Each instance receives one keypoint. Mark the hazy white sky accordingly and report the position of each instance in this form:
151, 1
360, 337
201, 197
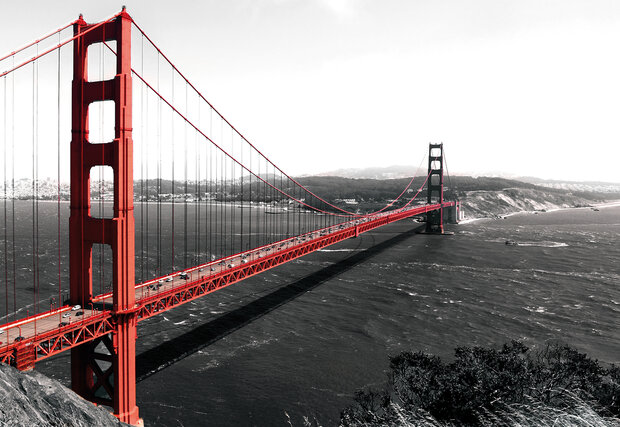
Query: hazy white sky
516, 87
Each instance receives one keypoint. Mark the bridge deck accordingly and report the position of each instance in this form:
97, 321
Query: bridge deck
37, 337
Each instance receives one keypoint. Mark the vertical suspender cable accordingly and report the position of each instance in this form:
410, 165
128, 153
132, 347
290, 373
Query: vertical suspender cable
34, 185
268, 199
13, 191
278, 219
299, 211
272, 206
222, 192
148, 193
268, 207
5, 229
264, 211
142, 140
186, 189
58, 180
209, 207
34, 256
250, 230
172, 137
37, 194
219, 192
227, 210
233, 197
265, 205
288, 213
258, 205
218, 215
224, 228
229, 207
242, 195
277, 206
453, 195
197, 196
284, 202
158, 175
233, 203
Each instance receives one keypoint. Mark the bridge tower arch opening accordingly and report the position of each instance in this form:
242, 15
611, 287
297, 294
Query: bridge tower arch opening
105, 378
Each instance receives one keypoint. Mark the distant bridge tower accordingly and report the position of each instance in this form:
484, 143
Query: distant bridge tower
103, 370
434, 219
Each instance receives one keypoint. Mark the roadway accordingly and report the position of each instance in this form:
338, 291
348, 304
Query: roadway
66, 327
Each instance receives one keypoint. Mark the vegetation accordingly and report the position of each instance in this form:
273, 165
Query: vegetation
478, 194
332, 187
486, 385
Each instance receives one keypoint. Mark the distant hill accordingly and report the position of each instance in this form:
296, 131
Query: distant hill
389, 172
333, 187
480, 196
591, 186
403, 171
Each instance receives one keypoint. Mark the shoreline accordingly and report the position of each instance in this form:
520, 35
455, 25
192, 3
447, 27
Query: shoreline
603, 205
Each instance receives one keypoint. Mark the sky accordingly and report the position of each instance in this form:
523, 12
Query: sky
515, 88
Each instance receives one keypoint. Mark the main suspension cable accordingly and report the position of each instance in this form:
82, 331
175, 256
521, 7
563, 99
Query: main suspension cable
15, 52
452, 190
184, 117
230, 125
53, 48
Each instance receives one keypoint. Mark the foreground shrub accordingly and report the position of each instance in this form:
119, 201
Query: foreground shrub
482, 385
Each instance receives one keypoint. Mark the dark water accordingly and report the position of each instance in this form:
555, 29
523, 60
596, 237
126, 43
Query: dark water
298, 340
34, 255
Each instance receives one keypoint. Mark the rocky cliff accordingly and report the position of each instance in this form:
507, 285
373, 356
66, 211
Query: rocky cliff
480, 203
32, 399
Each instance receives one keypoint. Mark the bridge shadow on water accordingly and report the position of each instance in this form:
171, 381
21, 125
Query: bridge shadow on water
168, 353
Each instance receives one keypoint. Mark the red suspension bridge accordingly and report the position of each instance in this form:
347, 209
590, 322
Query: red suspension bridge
190, 207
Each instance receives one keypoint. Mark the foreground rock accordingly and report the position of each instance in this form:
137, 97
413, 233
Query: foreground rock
32, 399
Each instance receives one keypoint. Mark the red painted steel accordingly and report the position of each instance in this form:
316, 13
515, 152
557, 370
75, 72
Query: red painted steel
113, 328
174, 67
8, 358
39, 40
117, 232
58, 338
55, 47
435, 220
100, 323
208, 283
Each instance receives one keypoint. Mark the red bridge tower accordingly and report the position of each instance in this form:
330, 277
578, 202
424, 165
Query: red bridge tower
434, 219
103, 371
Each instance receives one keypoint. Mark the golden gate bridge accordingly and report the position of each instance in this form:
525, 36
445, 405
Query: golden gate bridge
211, 209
